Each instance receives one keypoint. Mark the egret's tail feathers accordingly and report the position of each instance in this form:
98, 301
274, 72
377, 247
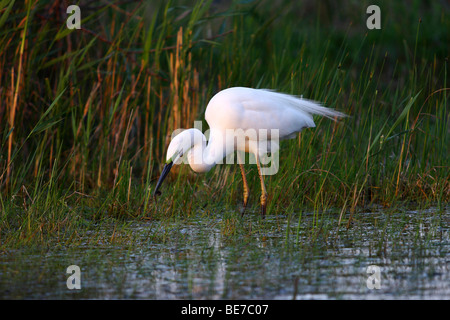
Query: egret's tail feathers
314, 107
309, 106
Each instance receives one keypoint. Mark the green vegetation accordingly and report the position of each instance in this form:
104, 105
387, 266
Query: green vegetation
86, 115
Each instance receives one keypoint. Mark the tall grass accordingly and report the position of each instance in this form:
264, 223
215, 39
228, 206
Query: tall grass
86, 115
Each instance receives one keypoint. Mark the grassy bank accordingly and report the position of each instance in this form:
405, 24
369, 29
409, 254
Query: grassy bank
86, 115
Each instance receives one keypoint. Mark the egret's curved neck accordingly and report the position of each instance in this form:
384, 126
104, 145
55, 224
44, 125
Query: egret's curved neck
203, 157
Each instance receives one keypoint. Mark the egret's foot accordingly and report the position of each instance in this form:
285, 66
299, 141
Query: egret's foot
263, 210
263, 205
242, 211
244, 205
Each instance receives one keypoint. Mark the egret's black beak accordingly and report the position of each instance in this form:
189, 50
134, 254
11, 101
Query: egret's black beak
164, 173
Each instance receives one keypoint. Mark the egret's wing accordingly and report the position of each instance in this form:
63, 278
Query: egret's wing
245, 108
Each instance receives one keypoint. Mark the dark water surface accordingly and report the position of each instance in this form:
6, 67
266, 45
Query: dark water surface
307, 256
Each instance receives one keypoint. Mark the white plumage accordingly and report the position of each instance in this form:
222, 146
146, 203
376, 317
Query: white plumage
247, 108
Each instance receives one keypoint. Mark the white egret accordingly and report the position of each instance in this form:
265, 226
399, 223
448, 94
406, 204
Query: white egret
241, 110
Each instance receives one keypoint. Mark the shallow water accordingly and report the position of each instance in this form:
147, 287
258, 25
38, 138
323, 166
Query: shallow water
222, 256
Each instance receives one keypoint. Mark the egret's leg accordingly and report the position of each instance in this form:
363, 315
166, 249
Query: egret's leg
244, 181
263, 190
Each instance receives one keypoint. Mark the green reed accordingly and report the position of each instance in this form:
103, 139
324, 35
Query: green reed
86, 115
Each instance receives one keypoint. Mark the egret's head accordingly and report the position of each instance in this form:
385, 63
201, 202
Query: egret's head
178, 147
